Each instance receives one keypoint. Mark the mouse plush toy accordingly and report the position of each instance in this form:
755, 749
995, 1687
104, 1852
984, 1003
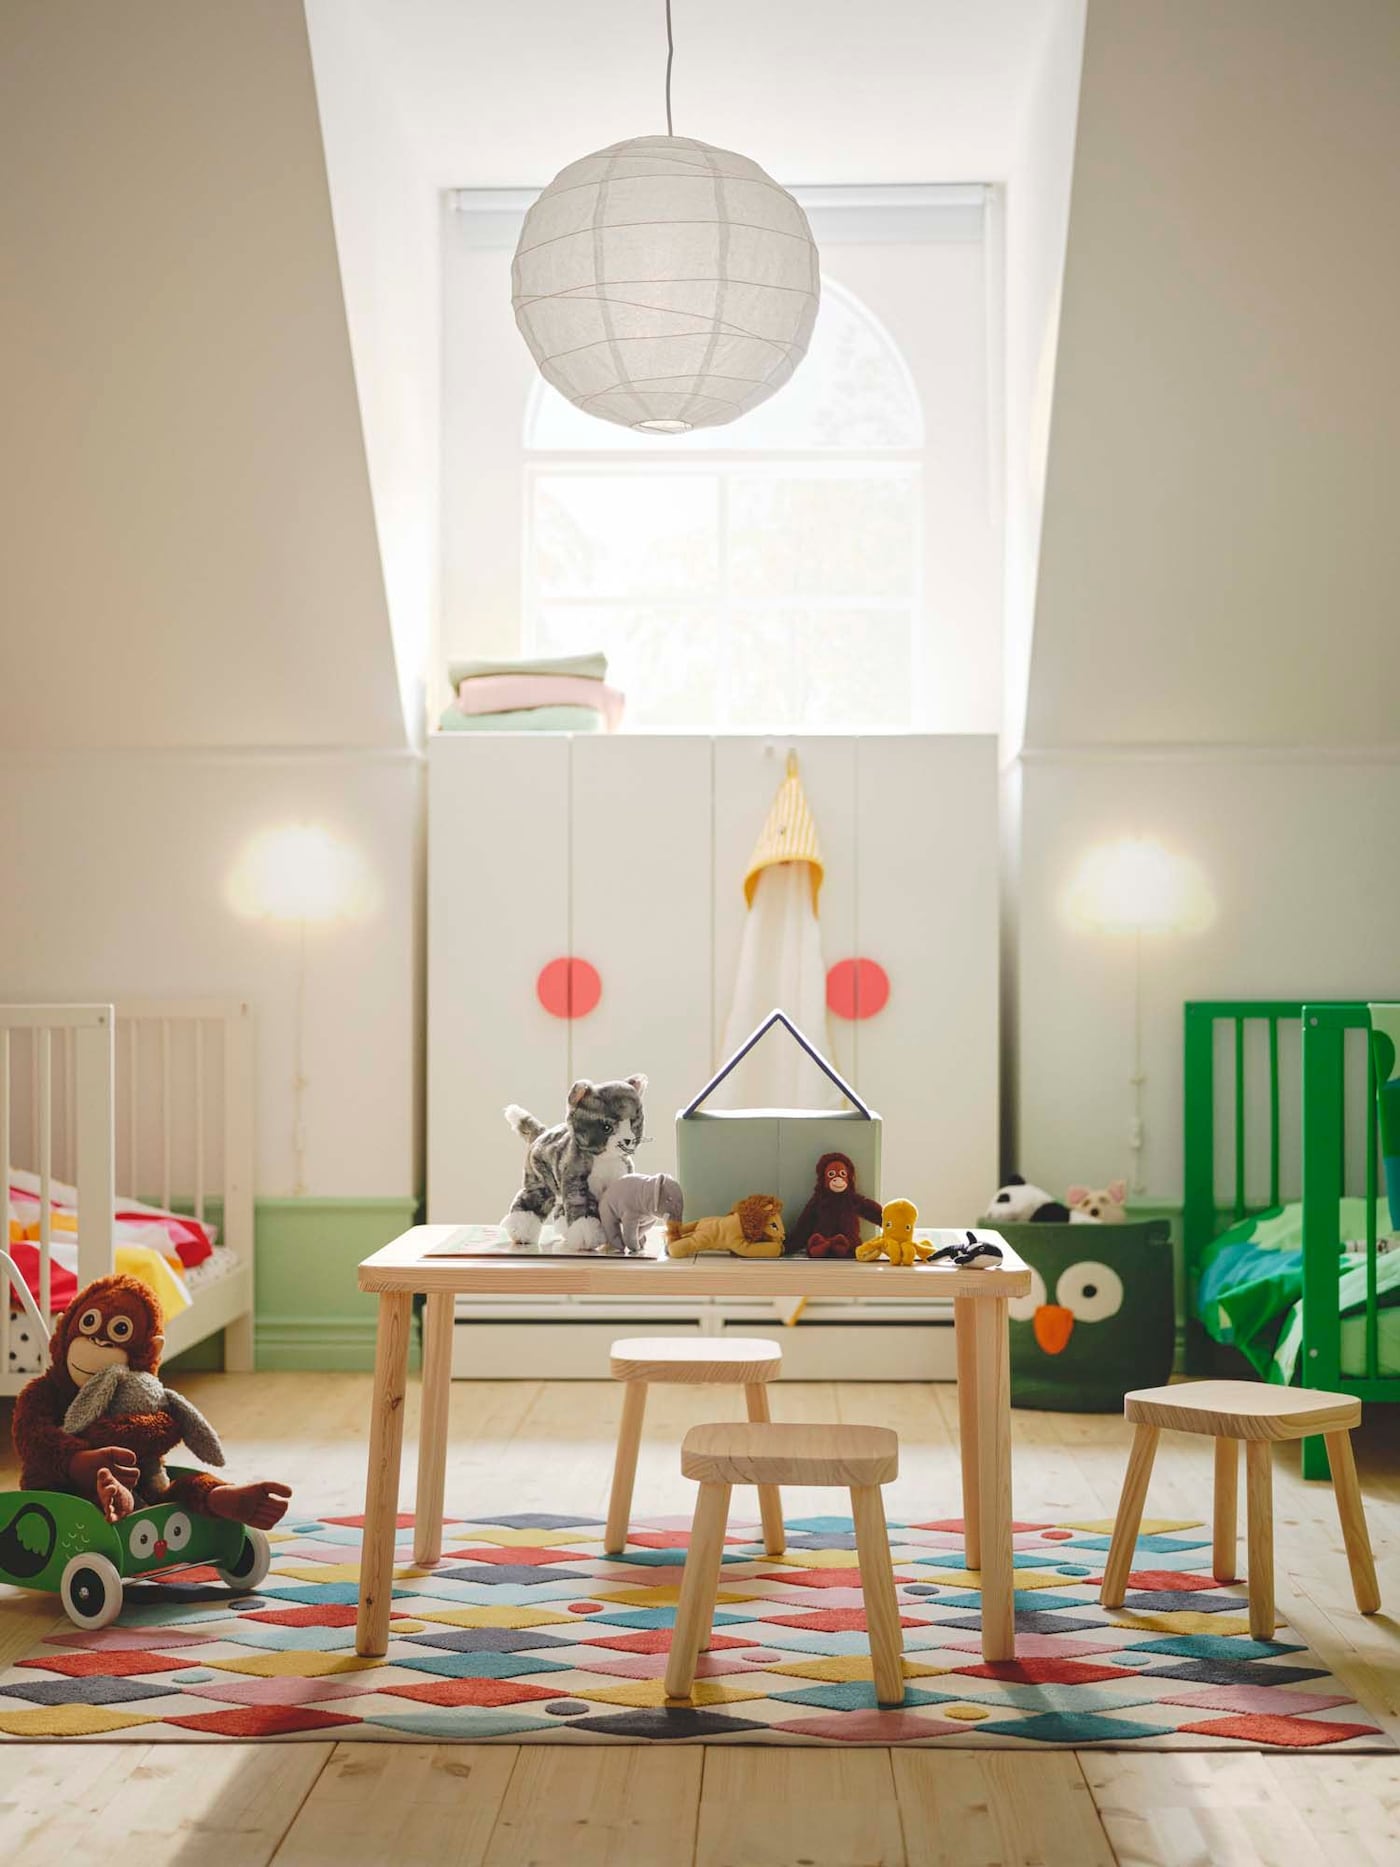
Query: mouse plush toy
829, 1224
111, 1449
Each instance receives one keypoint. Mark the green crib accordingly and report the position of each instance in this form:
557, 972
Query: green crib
1328, 1327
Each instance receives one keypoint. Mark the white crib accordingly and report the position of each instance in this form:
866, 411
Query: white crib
157, 1097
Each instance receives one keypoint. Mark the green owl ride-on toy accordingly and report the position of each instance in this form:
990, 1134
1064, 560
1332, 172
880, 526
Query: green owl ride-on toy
57, 1543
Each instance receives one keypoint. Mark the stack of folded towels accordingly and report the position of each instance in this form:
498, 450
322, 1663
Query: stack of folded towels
566, 694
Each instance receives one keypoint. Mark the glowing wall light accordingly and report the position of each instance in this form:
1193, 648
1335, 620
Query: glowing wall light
1135, 885
302, 873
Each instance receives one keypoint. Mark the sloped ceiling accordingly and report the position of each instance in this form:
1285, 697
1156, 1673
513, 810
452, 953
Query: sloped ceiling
816, 90
190, 553
1221, 551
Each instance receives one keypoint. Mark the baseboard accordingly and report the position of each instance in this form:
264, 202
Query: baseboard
309, 1344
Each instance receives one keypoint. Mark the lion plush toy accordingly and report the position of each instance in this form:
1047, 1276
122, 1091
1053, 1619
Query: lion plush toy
753, 1228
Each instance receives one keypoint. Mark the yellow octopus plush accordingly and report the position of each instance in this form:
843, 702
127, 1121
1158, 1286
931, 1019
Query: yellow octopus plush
896, 1241
753, 1228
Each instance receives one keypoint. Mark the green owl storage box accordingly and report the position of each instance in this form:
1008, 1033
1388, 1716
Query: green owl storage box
723, 1155
1100, 1319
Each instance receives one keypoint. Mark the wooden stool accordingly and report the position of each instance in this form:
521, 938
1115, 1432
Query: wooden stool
712, 1361
1257, 1413
858, 1458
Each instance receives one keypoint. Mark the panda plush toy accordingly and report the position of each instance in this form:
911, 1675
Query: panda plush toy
1019, 1203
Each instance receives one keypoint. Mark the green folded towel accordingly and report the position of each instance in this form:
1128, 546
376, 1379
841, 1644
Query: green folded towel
590, 667
525, 720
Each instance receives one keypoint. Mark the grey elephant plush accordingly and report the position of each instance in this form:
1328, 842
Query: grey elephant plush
633, 1203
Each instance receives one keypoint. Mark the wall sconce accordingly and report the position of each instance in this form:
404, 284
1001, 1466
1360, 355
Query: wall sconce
300, 875
1135, 885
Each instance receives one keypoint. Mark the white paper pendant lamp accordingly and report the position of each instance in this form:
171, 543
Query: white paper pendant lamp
666, 285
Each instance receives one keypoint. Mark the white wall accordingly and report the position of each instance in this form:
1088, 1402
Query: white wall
190, 558
115, 871
189, 544
1036, 224
388, 235
1298, 851
1221, 555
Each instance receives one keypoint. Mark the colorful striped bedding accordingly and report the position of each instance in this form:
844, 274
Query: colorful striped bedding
151, 1243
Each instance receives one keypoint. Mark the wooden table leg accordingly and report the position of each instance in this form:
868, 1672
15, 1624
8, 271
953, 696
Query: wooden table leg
382, 1476
770, 1498
432, 1428
993, 1389
965, 1333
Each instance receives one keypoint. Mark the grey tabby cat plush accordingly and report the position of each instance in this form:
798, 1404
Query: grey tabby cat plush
633, 1203
570, 1166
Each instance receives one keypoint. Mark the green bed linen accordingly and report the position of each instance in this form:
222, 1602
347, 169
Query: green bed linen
1351, 1299
1251, 1280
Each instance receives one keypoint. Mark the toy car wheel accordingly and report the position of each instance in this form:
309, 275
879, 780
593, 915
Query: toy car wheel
91, 1591
251, 1563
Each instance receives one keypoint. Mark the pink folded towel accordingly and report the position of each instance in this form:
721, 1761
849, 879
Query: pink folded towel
510, 693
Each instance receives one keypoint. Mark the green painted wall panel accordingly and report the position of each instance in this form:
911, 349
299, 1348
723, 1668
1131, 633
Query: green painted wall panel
310, 1315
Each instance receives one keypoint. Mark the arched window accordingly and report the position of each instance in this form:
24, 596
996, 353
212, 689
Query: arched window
759, 577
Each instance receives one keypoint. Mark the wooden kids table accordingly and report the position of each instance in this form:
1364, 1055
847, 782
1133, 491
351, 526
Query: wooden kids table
403, 1269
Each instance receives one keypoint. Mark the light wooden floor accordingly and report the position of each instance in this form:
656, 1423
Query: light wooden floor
532, 1445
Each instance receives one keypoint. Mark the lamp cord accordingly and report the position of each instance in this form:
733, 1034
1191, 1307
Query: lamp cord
670, 60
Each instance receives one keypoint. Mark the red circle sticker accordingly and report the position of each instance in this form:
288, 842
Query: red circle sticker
569, 988
857, 988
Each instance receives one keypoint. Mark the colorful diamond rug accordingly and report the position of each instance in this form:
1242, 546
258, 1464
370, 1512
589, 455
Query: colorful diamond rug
527, 1632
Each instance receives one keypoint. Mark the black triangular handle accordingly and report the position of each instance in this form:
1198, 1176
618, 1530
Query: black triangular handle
779, 1017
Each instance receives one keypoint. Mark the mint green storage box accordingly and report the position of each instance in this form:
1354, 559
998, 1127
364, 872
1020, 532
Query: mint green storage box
723, 1155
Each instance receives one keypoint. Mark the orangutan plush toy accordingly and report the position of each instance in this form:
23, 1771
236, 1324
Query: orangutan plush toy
117, 1459
830, 1223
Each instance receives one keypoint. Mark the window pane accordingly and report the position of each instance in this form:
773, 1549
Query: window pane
626, 535
820, 670
793, 535
664, 659
762, 688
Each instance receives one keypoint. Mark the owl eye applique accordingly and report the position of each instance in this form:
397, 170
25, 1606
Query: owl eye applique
1023, 1309
1090, 1291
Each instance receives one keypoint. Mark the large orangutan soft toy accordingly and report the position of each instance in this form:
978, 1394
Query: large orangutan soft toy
117, 1459
830, 1223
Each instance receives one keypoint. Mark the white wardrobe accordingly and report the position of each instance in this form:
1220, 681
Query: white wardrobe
628, 852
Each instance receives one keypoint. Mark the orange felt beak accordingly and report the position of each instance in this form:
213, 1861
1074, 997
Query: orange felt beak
1053, 1327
